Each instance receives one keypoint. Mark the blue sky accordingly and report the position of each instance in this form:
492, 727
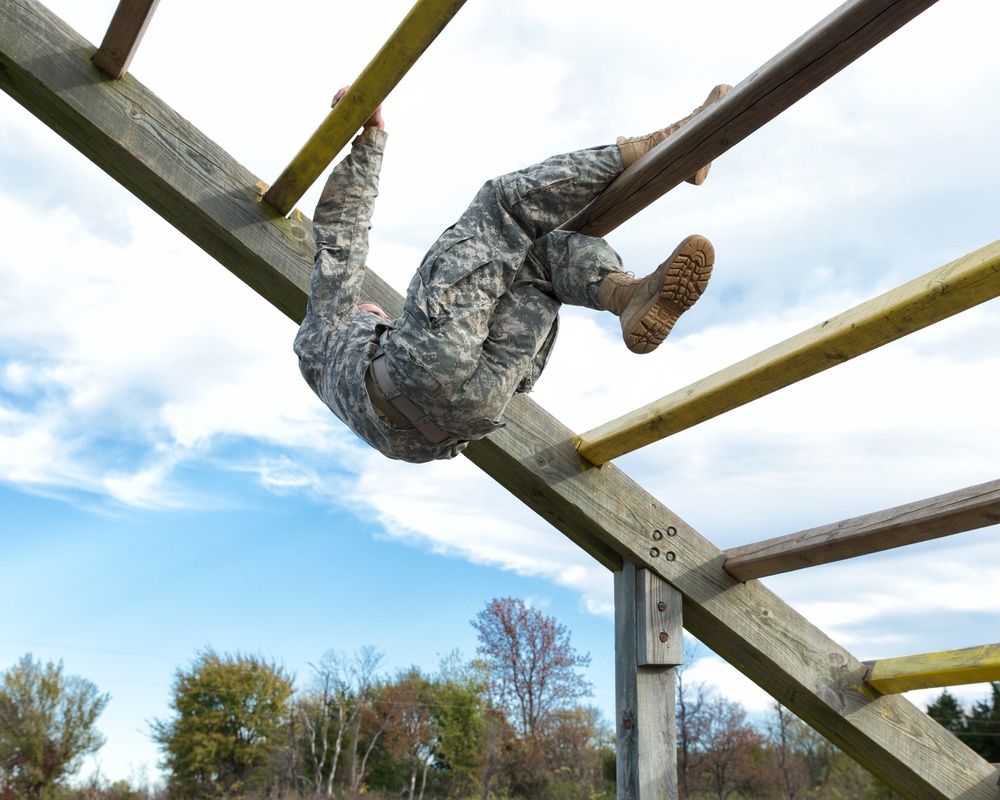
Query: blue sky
168, 482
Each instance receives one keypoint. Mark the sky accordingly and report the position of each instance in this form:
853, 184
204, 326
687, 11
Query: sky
168, 483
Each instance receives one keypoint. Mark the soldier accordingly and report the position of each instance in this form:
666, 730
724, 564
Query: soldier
480, 315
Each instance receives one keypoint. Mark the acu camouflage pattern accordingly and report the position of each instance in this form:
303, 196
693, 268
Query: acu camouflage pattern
481, 313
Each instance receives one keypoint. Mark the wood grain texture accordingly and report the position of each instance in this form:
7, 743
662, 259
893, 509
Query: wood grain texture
626, 686
407, 43
944, 515
659, 648
646, 726
937, 295
120, 43
659, 610
830, 46
200, 189
935, 670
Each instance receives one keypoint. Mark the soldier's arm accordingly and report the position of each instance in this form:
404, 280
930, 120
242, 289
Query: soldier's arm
341, 224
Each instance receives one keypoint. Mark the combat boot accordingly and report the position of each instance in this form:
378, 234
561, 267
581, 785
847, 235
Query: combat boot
634, 149
650, 306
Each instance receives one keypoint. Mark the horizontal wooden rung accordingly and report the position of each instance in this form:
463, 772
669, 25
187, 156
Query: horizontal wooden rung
935, 670
944, 515
937, 295
407, 43
124, 34
834, 43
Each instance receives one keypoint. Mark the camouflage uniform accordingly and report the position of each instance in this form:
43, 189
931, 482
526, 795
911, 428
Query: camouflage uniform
480, 315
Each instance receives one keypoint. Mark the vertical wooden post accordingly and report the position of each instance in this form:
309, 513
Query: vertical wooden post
648, 645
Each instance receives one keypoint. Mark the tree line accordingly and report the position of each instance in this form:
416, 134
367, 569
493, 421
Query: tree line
508, 725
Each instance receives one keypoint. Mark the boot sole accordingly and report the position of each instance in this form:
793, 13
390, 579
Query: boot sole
684, 278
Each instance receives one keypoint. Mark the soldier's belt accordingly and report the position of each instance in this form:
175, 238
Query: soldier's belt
396, 407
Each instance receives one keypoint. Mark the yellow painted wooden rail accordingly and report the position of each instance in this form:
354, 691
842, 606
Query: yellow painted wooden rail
407, 43
939, 294
935, 670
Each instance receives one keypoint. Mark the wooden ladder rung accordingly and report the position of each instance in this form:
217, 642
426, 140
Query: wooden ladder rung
828, 47
941, 293
120, 43
943, 515
935, 670
407, 43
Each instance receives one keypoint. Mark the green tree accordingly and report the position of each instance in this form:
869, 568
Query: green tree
947, 711
231, 716
46, 727
434, 739
982, 726
979, 728
461, 727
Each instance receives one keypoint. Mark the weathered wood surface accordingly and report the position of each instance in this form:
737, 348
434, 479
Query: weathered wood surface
834, 43
935, 670
645, 725
626, 703
200, 189
127, 27
941, 293
659, 641
407, 43
944, 515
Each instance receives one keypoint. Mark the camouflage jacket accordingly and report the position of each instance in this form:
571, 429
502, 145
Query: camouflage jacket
336, 341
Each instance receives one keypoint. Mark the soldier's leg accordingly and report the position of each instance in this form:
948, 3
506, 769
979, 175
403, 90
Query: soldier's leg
453, 296
587, 272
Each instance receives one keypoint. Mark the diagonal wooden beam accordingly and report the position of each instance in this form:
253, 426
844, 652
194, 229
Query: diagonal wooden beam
944, 515
935, 670
407, 43
937, 295
185, 177
124, 34
837, 41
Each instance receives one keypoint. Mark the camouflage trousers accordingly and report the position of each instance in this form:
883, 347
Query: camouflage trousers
480, 315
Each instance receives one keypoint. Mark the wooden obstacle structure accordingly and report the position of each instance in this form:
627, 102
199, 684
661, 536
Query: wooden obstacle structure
666, 573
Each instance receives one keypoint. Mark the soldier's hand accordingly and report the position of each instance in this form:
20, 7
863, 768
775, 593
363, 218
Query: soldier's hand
374, 121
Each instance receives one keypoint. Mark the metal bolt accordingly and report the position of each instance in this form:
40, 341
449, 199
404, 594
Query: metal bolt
661, 606
663, 636
654, 552
671, 531
671, 555
657, 535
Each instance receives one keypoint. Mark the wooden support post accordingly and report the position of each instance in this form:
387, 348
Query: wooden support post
834, 43
648, 645
941, 293
944, 515
408, 42
124, 34
935, 670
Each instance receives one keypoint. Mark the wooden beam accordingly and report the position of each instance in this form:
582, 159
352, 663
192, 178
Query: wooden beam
941, 293
407, 43
819, 54
935, 670
944, 515
648, 645
124, 34
133, 136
